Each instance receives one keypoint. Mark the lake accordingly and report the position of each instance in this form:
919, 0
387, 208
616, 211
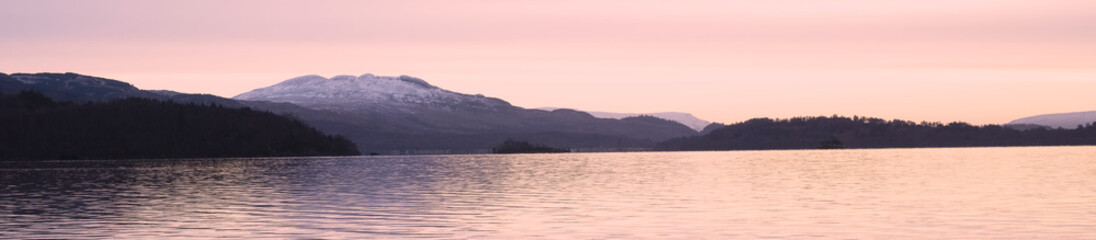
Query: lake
947, 193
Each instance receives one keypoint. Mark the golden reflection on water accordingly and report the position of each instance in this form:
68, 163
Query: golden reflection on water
959, 193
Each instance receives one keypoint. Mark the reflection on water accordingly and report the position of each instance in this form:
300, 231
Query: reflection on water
988, 193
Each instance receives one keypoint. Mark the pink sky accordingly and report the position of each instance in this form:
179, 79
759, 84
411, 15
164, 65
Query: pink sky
937, 60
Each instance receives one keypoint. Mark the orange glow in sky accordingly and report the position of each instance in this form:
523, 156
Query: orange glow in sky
980, 61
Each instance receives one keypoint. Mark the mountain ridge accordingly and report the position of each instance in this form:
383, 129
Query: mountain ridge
392, 115
410, 107
686, 119
1058, 120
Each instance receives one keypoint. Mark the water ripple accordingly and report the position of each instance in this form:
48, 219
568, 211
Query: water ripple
981, 193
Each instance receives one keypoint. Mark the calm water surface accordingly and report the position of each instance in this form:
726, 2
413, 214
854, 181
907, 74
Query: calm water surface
968, 193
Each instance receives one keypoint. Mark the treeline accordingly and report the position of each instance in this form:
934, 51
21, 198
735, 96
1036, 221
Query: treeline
34, 127
859, 132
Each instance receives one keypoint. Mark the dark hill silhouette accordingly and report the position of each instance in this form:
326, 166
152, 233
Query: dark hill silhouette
711, 127
857, 132
81, 88
71, 87
33, 127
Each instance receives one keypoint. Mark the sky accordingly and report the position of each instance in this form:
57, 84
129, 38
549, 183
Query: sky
978, 61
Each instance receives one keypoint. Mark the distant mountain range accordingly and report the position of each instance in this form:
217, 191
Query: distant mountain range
388, 114
1058, 120
680, 117
406, 113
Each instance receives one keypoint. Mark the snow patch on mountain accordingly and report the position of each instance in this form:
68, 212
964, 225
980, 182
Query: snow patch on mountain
366, 90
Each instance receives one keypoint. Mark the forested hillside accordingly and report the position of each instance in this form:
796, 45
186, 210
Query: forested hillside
858, 132
33, 126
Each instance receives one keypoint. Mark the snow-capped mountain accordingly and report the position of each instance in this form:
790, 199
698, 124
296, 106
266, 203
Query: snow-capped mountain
684, 118
1062, 120
350, 93
386, 113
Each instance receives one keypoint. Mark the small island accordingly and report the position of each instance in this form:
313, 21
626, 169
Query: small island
512, 146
